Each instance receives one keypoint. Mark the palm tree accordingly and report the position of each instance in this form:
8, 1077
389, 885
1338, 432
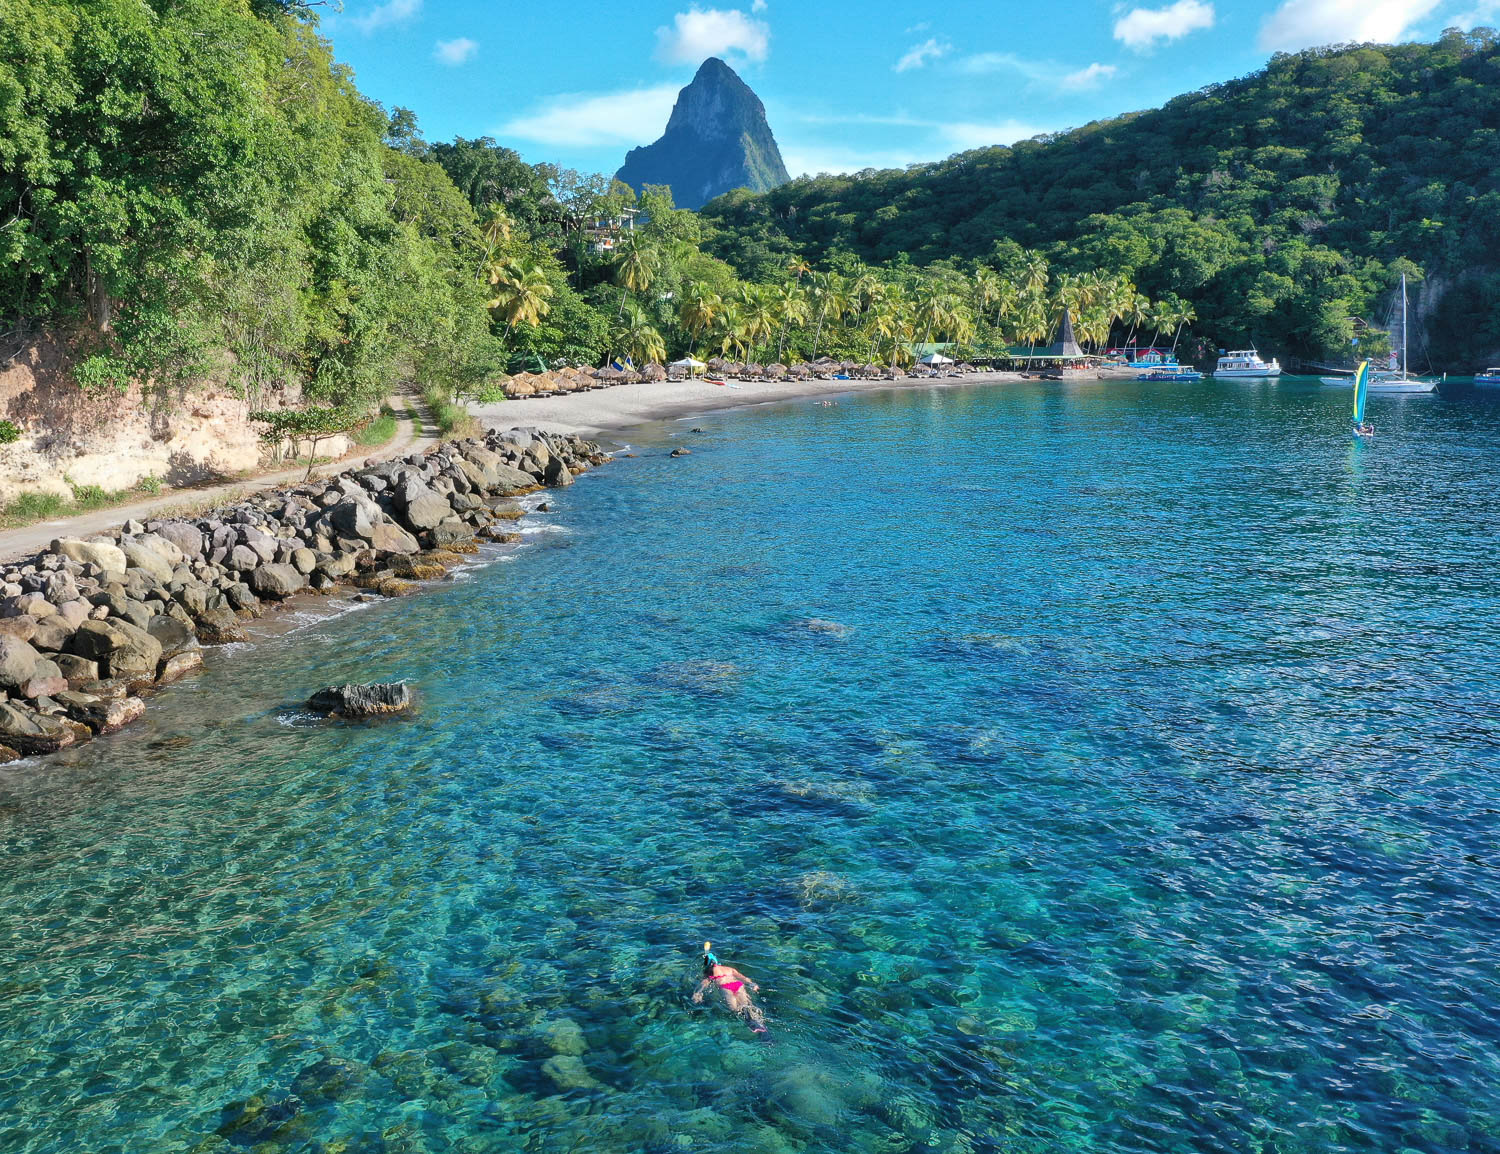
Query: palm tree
636, 268
731, 327
1033, 271
523, 293
637, 339
700, 312
798, 268
758, 313
791, 309
1182, 314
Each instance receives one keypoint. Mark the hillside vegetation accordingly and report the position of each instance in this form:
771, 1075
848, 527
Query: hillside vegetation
195, 187
1283, 205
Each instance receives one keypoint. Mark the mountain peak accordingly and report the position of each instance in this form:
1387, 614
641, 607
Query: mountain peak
716, 140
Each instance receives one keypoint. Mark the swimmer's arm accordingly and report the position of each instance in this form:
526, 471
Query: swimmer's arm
703, 985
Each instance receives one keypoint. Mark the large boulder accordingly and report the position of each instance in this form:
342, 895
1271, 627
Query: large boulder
354, 517
419, 507
219, 627
148, 560
242, 557
171, 634
100, 714
510, 480
388, 537
188, 538
162, 547
22, 628
52, 634
362, 700
19, 662
105, 554
276, 581
121, 649
27, 731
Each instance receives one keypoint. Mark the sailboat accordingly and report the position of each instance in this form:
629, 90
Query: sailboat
1362, 427
1396, 379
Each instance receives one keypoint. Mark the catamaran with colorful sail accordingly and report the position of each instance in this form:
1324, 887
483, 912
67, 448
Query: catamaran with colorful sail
1362, 427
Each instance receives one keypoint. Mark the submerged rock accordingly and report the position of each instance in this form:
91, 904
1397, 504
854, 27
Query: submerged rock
362, 700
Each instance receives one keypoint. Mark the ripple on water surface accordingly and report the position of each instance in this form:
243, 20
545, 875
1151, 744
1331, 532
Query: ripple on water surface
1077, 769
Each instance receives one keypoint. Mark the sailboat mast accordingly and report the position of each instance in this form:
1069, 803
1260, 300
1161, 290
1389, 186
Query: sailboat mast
1403, 326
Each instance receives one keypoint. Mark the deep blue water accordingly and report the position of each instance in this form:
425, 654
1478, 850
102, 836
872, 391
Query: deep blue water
1097, 768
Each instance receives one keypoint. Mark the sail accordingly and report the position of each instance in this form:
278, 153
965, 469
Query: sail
1361, 388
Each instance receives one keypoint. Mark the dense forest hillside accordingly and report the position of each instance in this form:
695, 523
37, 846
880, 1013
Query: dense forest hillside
1282, 205
194, 189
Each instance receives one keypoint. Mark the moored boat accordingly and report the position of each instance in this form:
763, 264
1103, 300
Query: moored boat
1246, 364
1396, 379
1490, 376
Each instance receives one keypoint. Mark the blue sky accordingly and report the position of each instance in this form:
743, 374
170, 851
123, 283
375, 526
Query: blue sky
847, 84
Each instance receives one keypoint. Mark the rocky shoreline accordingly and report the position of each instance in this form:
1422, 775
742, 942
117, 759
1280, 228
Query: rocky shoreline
89, 627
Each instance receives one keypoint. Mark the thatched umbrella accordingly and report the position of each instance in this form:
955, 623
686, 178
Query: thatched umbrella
734, 369
630, 377
755, 370
717, 364
776, 370
869, 370
653, 372
892, 373
515, 388
800, 371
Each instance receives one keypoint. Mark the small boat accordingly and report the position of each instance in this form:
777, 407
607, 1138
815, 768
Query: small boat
1175, 374
1488, 377
714, 381
1247, 365
1362, 427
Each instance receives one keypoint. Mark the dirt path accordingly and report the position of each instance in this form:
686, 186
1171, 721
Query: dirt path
416, 433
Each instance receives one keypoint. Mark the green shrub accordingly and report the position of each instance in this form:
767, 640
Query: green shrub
378, 431
150, 485
34, 507
452, 420
9, 432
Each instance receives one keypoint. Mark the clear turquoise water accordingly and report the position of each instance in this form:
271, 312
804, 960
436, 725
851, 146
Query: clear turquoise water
1107, 768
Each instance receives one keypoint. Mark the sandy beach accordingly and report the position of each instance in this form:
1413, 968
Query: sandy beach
622, 406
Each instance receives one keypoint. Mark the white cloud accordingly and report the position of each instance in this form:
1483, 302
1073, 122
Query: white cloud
700, 33
1091, 77
1486, 13
579, 120
456, 52
758, 5
1141, 28
918, 55
1299, 24
387, 14
984, 63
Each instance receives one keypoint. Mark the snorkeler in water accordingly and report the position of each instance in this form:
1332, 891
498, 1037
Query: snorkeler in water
733, 983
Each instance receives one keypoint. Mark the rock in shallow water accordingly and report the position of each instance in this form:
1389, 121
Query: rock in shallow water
362, 700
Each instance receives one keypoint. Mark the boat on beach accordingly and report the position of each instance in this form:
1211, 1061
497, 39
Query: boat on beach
1247, 365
